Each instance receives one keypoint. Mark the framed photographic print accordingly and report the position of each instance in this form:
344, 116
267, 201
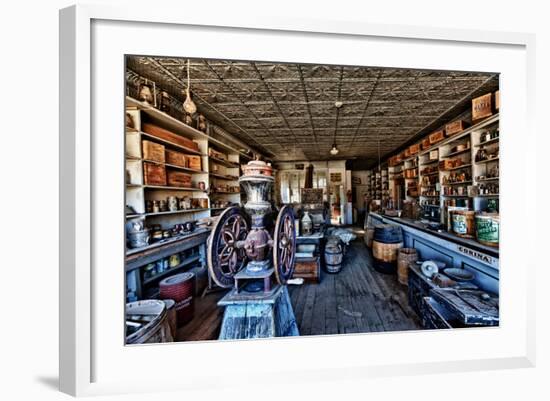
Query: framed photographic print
185, 235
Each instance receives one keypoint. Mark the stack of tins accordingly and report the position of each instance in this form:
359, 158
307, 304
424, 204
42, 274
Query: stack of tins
180, 288
333, 255
404, 257
388, 239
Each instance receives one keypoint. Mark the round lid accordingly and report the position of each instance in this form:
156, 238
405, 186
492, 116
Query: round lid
257, 165
176, 279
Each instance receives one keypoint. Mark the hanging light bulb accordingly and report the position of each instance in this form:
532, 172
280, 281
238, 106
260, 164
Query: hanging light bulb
334, 151
188, 105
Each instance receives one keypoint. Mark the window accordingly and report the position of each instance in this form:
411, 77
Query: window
292, 181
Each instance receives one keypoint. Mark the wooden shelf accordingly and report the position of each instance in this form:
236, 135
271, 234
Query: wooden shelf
133, 185
225, 192
183, 263
459, 167
174, 166
456, 196
456, 153
134, 215
429, 163
490, 141
224, 177
173, 188
488, 160
223, 162
457, 183
177, 126
429, 174
182, 211
429, 196
172, 144
487, 196
489, 179
488, 121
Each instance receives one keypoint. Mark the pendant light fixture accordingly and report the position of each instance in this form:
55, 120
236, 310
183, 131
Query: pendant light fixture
188, 105
334, 150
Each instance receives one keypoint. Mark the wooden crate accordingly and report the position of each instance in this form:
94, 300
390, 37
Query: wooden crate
436, 136
194, 162
435, 315
176, 158
418, 288
178, 179
446, 164
434, 154
162, 133
482, 107
152, 151
154, 174
308, 268
414, 149
468, 306
497, 100
455, 127
426, 143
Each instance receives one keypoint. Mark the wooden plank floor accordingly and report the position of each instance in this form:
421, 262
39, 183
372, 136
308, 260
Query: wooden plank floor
356, 300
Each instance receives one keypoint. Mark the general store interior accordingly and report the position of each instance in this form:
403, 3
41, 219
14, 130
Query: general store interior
391, 176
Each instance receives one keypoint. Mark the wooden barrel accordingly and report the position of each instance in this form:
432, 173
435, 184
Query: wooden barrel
487, 229
463, 223
180, 288
404, 257
388, 239
369, 235
333, 256
146, 322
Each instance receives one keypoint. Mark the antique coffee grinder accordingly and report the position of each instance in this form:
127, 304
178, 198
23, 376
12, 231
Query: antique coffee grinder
247, 252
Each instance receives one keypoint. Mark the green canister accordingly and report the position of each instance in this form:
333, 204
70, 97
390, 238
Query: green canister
488, 228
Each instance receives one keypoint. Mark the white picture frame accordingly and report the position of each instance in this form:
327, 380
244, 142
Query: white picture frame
93, 357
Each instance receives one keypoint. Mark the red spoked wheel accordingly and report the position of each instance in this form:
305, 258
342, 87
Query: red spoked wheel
223, 256
284, 245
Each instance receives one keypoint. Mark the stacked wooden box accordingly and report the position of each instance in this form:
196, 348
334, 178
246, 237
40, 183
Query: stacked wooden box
162, 133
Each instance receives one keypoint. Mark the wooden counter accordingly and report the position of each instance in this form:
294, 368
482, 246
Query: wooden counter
481, 260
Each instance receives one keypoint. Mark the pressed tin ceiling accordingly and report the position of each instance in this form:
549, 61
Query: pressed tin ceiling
287, 111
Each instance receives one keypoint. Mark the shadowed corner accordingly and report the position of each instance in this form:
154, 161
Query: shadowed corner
51, 382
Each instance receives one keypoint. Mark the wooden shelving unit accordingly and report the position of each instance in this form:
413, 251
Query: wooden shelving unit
428, 186
214, 172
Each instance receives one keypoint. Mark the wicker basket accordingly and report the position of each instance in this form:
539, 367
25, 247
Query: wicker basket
404, 257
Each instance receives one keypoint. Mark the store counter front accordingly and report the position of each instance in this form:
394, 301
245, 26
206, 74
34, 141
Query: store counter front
454, 251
